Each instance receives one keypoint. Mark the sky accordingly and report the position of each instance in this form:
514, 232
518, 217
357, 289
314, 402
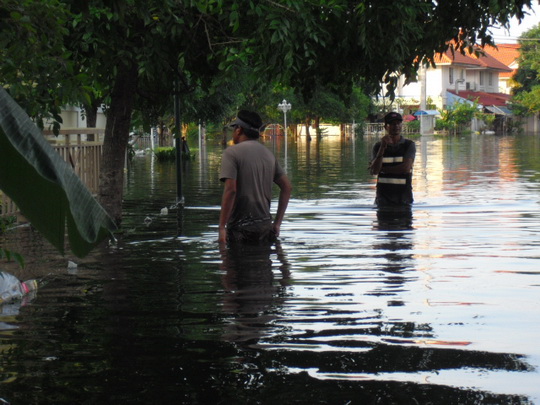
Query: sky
516, 29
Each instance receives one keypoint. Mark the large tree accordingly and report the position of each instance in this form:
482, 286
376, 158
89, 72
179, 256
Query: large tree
36, 68
527, 78
134, 48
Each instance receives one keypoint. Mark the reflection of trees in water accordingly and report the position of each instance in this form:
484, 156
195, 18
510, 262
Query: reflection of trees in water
253, 296
328, 164
366, 377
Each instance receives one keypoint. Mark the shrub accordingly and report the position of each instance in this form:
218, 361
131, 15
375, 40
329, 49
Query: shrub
168, 154
414, 126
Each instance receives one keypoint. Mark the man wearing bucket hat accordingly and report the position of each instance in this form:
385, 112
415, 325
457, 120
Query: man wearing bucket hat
249, 170
392, 161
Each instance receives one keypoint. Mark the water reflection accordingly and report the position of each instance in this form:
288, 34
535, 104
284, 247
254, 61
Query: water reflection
394, 219
253, 297
356, 305
395, 242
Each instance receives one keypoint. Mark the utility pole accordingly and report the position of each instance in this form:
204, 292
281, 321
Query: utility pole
178, 144
422, 99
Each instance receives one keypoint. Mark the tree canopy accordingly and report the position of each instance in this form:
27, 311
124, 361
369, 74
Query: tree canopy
297, 41
134, 54
527, 92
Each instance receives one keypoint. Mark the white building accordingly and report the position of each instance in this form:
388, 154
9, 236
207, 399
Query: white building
467, 76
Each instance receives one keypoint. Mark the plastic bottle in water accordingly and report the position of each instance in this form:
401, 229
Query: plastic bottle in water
11, 288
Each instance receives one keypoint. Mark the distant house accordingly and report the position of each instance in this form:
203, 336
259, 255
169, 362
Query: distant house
73, 123
464, 76
74, 117
460, 78
507, 54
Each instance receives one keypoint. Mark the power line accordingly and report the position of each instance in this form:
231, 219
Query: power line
514, 38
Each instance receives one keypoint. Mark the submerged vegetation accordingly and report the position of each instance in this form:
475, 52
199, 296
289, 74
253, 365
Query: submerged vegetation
168, 154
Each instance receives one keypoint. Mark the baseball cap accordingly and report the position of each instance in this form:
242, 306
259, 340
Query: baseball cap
248, 120
392, 116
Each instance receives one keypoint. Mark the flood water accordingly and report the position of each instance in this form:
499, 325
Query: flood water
437, 306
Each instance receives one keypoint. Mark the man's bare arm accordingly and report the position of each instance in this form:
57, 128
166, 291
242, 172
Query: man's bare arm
227, 205
285, 190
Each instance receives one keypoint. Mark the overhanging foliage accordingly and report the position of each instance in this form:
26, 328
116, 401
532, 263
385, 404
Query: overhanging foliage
44, 186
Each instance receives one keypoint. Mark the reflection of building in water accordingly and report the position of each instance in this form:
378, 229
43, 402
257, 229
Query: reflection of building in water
253, 296
446, 166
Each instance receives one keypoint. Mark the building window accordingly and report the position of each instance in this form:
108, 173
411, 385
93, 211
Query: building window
451, 75
482, 74
490, 79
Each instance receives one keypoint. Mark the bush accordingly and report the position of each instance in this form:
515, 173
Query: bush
441, 125
414, 126
165, 154
168, 154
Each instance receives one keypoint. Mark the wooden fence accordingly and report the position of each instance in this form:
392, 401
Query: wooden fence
83, 156
143, 142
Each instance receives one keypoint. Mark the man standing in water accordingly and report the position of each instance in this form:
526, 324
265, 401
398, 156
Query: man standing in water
249, 170
392, 162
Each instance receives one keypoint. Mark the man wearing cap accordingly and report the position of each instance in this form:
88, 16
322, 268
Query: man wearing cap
249, 170
392, 162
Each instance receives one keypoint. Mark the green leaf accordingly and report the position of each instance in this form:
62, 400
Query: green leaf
16, 15
44, 187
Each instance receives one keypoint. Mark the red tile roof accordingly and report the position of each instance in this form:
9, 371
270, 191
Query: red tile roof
483, 98
471, 60
505, 53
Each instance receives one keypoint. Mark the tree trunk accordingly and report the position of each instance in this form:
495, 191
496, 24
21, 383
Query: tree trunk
162, 134
308, 123
111, 176
294, 130
316, 125
224, 136
91, 117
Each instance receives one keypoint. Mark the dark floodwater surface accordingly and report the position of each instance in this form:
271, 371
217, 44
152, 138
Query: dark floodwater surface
440, 305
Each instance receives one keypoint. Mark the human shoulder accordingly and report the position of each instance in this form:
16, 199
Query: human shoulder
248, 144
406, 142
245, 149
410, 149
377, 145
238, 147
254, 146
409, 142
403, 139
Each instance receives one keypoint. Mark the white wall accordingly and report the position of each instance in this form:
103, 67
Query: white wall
72, 118
438, 82
532, 124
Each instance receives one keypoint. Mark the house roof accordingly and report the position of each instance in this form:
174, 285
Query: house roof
485, 99
507, 54
499, 110
471, 60
426, 112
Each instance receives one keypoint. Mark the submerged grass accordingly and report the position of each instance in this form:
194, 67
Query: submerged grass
168, 154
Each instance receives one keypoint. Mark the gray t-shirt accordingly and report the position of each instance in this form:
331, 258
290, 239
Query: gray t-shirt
255, 169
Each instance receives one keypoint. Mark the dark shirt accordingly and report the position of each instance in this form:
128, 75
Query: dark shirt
395, 189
